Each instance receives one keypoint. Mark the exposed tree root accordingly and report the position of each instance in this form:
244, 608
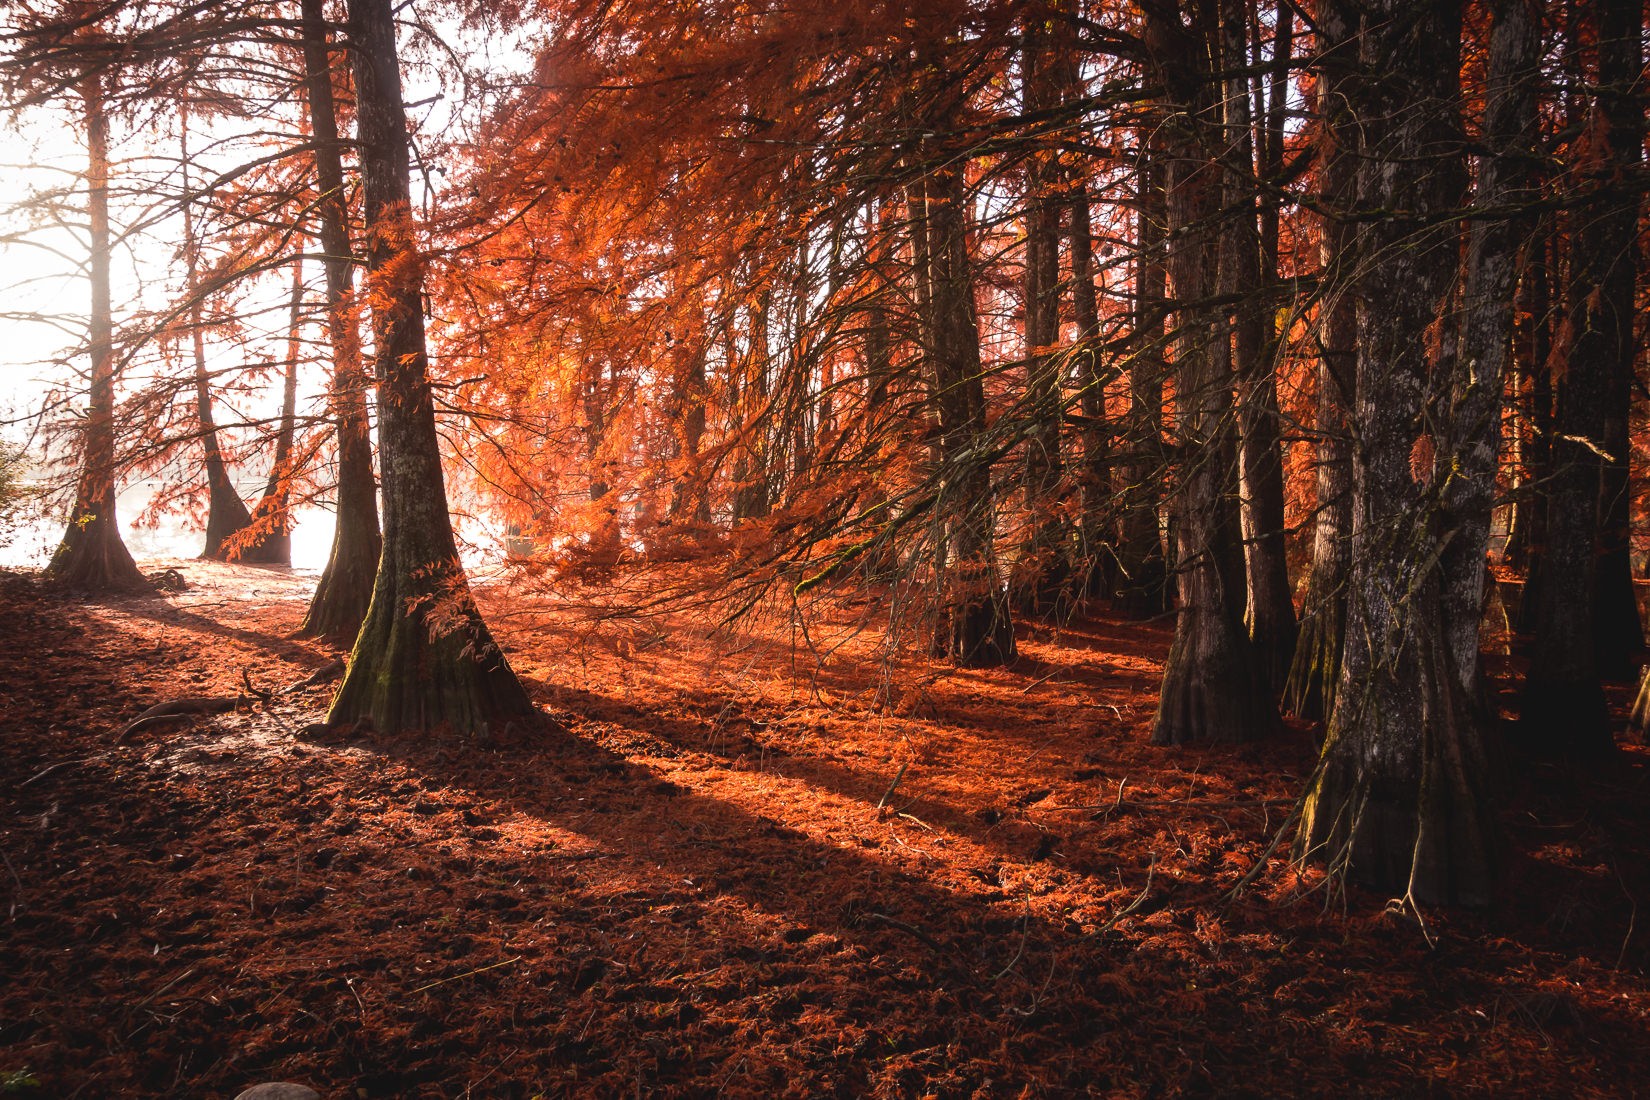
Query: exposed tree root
222, 704
180, 708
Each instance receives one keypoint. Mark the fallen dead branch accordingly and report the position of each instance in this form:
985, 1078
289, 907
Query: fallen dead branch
467, 974
892, 787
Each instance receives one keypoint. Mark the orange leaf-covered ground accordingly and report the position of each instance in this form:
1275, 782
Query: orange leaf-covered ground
744, 868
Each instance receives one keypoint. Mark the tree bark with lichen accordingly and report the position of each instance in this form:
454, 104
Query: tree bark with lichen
1400, 801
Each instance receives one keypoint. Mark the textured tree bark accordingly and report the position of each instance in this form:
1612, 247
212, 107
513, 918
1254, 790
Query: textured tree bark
272, 537
1494, 248
1270, 614
91, 555
1400, 801
1534, 395
1618, 631
976, 629
689, 496
751, 472
606, 538
1315, 672
226, 513
1215, 687
424, 658
345, 588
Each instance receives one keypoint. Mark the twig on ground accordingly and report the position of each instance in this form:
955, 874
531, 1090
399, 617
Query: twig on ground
909, 929
1621, 956
1043, 679
1132, 907
469, 974
892, 787
163, 989
50, 768
1025, 933
321, 675
257, 693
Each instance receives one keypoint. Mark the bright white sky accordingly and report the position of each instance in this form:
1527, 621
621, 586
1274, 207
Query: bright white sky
45, 295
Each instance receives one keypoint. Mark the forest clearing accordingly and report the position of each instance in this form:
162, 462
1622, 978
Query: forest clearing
712, 884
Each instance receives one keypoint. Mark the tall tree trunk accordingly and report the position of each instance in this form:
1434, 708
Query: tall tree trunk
1043, 571
1270, 614
1099, 555
606, 538
271, 519
1494, 248
1214, 684
1576, 637
689, 499
92, 556
1400, 800
424, 658
976, 629
1315, 672
226, 513
1141, 588
345, 588
752, 467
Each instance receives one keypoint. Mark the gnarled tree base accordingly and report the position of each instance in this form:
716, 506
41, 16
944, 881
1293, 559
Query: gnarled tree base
1402, 802
92, 558
1214, 688
1365, 829
1309, 688
977, 634
273, 544
340, 603
434, 666
226, 517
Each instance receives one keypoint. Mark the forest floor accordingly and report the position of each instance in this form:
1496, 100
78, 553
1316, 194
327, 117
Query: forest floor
743, 868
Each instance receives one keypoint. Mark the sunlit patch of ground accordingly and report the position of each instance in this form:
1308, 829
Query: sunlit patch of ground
740, 867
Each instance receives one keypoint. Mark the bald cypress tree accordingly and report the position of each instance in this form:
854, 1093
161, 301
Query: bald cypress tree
1215, 687
91, 555
1400, 801
424, 657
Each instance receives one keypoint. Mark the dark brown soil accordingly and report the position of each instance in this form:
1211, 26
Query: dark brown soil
743, 869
